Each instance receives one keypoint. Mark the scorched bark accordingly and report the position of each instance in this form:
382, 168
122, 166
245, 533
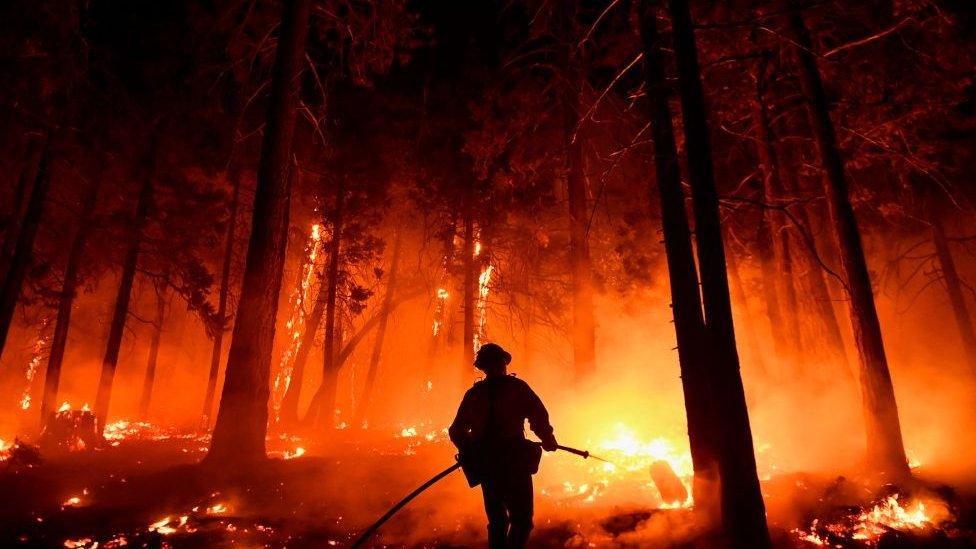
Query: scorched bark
242, 419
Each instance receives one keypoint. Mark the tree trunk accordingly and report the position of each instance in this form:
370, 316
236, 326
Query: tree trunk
773, 242
739, 294
743, 511
326, 393
117, 327
374, 358
215, 353
689, 324
321, 412
886, 451
816, 285
288, 414
11, 231
242, 419
584, 323
953, 286
20, 260
150, 377
69, 285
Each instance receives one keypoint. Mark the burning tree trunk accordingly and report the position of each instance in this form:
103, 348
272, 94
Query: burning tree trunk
953, 286
215, 353
121, 312
773, 242
385, 309
884, 441
288, 414
69, 286
323, 404
689, 324
21, 258
242, 419
743, 512
150, 377
470, 283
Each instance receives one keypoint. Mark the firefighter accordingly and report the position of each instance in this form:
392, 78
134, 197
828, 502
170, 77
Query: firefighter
489, 432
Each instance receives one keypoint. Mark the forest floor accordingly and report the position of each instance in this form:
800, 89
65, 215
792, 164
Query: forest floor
153, 493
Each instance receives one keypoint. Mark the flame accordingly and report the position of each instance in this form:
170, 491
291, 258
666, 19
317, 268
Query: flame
72, 501
296, 322
217, 509
5, 448
441, 297
38, 353
868, 525
890, 515
484, 286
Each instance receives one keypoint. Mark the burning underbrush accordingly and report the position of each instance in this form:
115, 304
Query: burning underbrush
892, 519
141, 486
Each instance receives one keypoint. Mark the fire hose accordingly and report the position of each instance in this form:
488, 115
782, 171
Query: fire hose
433, 480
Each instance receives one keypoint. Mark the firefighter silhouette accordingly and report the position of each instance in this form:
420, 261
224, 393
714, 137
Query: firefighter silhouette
489, 432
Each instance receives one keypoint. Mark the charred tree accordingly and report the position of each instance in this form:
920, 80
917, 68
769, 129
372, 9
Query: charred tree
20, 260
886, 451
686, 308
121, 312
386, 308
743, 511
215, 353
242, 419
953, 286
149, 379
69, 287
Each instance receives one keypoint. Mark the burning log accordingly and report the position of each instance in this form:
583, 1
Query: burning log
70, 430
672, 491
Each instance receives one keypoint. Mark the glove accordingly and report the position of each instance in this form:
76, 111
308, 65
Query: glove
549, 444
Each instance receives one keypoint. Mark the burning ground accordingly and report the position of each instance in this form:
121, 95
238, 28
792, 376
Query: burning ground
143, 486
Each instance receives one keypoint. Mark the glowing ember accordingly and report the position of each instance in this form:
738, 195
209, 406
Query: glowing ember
167, 526
77, 543
75, 501
217, 509
299, 452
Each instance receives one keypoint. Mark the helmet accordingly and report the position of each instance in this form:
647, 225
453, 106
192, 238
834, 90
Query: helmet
492, 353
